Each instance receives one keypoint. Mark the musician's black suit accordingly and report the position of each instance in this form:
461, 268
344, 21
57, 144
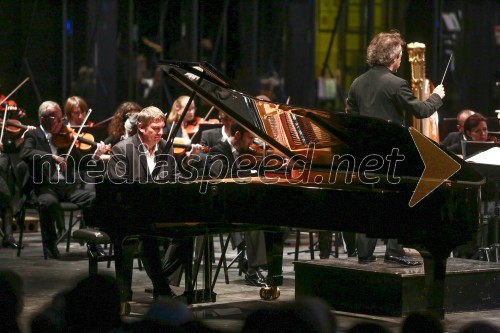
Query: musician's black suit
453, 138
49, 191
379, 93
211, 137
222, 164
128, 162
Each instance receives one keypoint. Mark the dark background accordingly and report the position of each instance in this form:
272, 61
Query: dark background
51, 41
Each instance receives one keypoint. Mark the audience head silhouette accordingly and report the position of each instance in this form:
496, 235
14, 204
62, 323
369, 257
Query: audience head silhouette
304, 315
421, 322
93, 305
11, 300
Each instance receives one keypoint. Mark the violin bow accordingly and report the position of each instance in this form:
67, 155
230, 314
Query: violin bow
170, 132
209, 112
78, 134
103, 121
5, 112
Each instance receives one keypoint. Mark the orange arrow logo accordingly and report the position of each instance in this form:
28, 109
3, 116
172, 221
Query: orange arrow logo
439, 166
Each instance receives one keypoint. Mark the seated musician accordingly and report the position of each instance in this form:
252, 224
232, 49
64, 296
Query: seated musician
212, 137
9, 201
223, 157
190, 124
144, 163
6, 200
475, 129
116, 128
455, 138
53, 176
75, 111
223, 162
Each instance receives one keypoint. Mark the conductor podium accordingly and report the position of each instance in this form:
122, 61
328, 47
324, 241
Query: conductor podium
381, 288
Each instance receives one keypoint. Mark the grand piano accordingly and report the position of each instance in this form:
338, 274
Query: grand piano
342, 172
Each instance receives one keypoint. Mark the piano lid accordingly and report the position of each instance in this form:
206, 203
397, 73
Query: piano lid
325, 140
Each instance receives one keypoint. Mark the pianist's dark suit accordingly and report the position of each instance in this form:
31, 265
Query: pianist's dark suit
379, 93
128, 162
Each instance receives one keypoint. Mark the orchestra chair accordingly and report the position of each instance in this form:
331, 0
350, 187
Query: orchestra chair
27, 200
240, 258
337, 239
312, 244
110, 256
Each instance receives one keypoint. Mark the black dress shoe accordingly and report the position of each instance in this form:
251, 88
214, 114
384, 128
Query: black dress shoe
53, 252
255, 280
97, 250
353, 254
403, 260
167, 293
367, 260
10, 243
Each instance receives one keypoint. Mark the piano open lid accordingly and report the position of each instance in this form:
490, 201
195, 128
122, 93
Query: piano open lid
337, 138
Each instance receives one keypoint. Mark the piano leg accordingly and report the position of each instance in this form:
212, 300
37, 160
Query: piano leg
435, 272
275, 267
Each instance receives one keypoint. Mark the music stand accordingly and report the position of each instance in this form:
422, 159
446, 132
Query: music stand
471, 148
203, 127
487, 163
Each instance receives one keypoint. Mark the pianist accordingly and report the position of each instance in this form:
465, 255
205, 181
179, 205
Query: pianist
381, 94
139, 158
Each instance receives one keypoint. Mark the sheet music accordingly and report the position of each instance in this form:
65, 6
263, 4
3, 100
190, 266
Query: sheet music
490, 156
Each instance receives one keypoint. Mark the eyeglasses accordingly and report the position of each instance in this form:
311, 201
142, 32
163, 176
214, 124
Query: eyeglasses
54, 118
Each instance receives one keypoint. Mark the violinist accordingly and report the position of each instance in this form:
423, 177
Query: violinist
116, 128
475, 129
454, 138
6, 200
75, 111
54, 176
190, 124
223, 162
213, 136
12, 137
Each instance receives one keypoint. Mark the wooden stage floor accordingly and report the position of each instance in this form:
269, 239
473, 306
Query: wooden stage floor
44, 278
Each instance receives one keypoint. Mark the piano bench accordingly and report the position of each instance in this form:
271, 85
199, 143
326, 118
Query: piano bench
93, 237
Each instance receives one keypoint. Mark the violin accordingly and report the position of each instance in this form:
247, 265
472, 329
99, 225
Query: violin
192, 126
11, 106
66, 136
13, 126
493, 139
181, 146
